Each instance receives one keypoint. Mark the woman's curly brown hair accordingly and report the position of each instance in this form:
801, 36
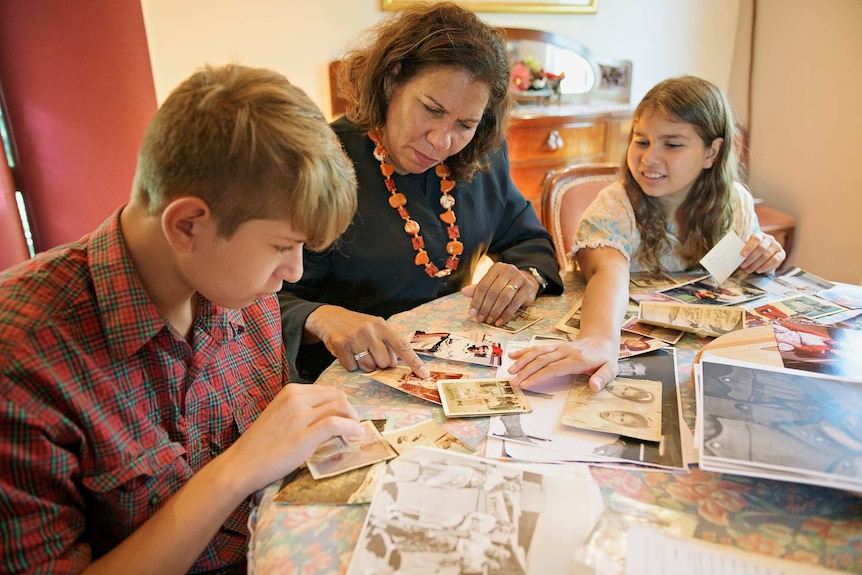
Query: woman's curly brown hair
420, 38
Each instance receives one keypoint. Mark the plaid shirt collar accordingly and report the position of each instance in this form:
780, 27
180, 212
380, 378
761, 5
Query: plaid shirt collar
129, 316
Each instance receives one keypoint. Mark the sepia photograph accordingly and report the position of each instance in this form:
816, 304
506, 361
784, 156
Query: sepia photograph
440, 512
402, 378
665, 334
700, 319
428, 433
521, 320
628, 407
539, 436
468, 397
571, 322
339, 454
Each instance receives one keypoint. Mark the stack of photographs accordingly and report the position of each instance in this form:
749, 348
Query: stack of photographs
779, 423
643, 401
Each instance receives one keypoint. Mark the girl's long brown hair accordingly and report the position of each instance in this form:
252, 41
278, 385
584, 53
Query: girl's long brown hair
707, 213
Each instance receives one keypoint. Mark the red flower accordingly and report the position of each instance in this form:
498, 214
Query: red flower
520, 79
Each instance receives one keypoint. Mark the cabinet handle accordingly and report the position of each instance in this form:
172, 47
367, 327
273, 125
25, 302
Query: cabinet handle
554, 141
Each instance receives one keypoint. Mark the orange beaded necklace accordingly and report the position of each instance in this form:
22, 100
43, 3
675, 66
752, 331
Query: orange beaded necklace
398, 201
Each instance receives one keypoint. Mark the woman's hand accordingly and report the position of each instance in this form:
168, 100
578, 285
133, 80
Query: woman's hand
362, 340
763, 254
499, 294
591, 355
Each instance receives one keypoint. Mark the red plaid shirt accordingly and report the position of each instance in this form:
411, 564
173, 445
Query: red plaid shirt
105, 411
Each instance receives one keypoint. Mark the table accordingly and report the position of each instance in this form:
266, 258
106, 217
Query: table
799, 522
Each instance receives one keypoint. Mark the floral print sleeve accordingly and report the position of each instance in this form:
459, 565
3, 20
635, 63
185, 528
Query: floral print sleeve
609, 222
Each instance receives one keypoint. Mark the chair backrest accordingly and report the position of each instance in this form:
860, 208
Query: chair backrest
566, 193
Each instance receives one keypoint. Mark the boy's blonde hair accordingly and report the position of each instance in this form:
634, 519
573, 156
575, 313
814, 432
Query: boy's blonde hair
253, 146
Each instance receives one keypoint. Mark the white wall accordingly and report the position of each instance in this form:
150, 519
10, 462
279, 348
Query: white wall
806, 127
300, 37
805, 122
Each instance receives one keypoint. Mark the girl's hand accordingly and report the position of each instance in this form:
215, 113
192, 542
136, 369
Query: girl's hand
592, 355
763, 254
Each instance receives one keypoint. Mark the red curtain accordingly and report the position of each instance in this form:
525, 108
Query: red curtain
79, 92
13, 247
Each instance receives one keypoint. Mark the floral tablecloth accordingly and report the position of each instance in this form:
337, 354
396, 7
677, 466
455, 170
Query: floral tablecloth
793, 521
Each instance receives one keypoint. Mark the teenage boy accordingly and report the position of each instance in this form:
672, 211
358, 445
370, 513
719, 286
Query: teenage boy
143, 393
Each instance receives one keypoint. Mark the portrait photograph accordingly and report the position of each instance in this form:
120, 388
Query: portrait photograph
628, 407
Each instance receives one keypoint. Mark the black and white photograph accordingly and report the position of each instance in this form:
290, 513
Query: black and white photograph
776, 423
439, 512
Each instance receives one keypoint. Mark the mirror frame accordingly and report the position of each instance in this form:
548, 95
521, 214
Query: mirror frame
559, 6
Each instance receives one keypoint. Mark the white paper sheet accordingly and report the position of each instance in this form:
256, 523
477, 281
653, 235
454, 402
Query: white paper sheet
650, 552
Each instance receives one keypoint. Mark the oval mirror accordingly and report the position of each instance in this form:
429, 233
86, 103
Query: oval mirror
555, 56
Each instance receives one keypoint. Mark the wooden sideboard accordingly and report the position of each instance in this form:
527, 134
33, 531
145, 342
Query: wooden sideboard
778, 224
554, 137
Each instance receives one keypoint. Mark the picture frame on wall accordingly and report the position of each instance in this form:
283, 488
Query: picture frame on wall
539, 6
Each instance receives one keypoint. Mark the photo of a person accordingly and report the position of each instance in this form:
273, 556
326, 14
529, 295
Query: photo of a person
634, 344
469, 347
790, 421
626, 418
631, 408
630, 392
631, 369
403, 379
513, 431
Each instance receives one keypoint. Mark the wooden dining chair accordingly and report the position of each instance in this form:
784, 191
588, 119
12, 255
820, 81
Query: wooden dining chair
566, 193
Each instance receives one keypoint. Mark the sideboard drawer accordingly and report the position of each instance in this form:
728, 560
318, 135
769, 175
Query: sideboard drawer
539, 143
533, 142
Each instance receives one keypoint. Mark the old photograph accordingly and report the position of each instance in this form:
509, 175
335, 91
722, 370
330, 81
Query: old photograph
627, 407
439, 512
700, 319
468, 397
778, 423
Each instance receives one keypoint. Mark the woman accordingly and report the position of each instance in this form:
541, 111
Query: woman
678, 197
427, 112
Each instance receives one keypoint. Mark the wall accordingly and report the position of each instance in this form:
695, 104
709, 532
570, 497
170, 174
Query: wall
806, 126
662, 37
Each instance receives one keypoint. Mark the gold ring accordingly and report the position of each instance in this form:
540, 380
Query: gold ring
360, 355
513, 287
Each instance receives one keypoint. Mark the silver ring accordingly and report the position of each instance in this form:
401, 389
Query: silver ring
513, 287
360, 355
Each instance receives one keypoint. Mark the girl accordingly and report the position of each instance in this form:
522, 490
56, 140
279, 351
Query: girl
678, 197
